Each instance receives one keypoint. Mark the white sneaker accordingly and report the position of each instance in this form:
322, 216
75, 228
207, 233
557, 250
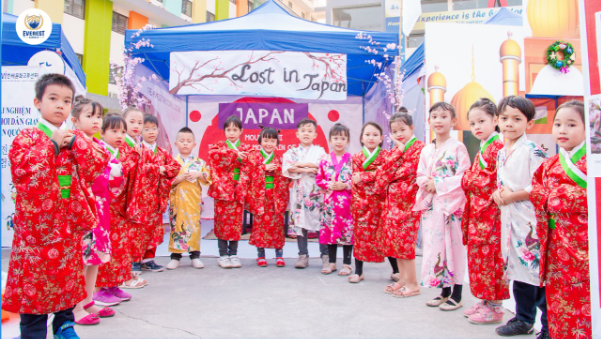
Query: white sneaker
224, 262
197, 263
235, 261
173, 264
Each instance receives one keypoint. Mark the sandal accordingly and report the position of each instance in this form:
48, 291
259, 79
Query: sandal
134, 284
355, 278
280, 262
450, 305
104, 312
391, 288
435, 302
405, 293
90, 319
346, 270
261, 262
331, 268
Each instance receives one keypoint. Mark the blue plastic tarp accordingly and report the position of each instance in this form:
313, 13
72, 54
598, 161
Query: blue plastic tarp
269, 27
16, 52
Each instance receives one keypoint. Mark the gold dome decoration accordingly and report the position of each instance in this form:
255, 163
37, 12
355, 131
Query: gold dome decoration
554, 18
437, 80
510, 49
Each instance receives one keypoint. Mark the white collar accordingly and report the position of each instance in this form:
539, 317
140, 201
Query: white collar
149, 146
483, 142
109, 147
51, 126
412, 137
575, 149
187, 159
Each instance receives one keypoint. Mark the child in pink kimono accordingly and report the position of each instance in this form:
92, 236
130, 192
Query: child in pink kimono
334, 178
441, 200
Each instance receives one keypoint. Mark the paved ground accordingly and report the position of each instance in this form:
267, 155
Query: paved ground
254, 302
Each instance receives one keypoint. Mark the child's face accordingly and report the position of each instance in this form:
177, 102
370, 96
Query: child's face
569, 129
88, 122
114, 136
513, 123
135, 120
306, 134
441, 121
232, 132
55, 105
371, 137
339, 142
401, 132
481, 123
185, 142
269, 145
150, 132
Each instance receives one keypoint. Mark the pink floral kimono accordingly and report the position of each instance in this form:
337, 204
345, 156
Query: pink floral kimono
444, 256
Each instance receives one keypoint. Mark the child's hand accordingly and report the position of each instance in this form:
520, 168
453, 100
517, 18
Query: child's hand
398, 144
339, 186
59, 135
270, 167
67, 141
332, 185
162, 170
311, 170
357, 178
242, 155
497, 198
430, 186
505, 195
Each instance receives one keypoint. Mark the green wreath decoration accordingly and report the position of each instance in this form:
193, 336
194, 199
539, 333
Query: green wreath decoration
568, 52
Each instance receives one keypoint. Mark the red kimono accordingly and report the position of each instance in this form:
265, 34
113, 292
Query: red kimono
266, 200
366, 207
54, 207
119, 269
399, 225
158, 186
562, 227
229, 195
481, 225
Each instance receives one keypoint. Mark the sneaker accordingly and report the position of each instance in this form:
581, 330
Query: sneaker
197, 263
119, 293
514, 327
280, 262
302, 261
487, 314
66, 331
543, 335
136, 270
173, 264
152, 266
235, 262
224, 262
104, 298
474, 309
261, 262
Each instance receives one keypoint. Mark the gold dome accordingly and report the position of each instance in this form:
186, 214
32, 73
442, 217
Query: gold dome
464, 98
437, 79
558, 19
510, 48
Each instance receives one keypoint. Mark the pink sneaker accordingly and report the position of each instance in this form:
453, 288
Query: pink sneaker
104, 298
119, 293
474, 309
487, 315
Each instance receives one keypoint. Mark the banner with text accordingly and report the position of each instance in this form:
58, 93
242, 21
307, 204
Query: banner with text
301, 75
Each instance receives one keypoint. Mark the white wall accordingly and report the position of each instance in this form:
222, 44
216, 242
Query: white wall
211, 6
21, 5
74, 29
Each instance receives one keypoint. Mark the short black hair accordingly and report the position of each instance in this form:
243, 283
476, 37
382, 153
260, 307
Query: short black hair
401, 117
151, 119
307, 121
81, 102
185, 130
444, 106
53, 79
487, 106
233, 120
339, 129
269, 133
401, 109
525, 106
113, 120
375, 125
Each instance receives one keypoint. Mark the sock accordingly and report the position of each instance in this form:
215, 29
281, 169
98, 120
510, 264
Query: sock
393, 263
332, 254
493, 304
347, 249
446, 292
359, 267
457, 293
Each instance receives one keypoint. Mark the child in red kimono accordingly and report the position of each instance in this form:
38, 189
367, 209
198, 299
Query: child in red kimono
160, 170
267, 196
398, 229
481, 227
559, 195
366, 206
52, 170
225, 160
119, 269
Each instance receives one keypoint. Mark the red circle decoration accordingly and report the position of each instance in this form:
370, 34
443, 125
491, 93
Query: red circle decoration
195, 116
333, 115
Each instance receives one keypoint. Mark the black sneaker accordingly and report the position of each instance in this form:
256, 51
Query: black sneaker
514, 327
543, 335
152, 266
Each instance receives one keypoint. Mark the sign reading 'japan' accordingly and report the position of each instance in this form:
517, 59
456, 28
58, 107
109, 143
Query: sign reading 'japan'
318, 76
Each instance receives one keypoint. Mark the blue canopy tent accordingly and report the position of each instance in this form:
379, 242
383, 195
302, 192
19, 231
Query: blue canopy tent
17, 53
269, 27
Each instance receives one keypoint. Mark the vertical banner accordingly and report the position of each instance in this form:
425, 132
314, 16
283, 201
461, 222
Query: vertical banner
18, 112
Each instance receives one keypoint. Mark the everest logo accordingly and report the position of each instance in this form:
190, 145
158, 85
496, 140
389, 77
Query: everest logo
34, 26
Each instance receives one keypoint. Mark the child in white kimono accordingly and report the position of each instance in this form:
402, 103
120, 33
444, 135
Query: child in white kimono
301, 165
441, 200
516, 164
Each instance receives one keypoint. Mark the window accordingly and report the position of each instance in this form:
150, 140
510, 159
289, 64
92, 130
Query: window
251, 6
187, 7
75, 8
414, 40
434, 6
369, 17
210, 17
120, 23
513, 2
80, 58
459, 5
115, 71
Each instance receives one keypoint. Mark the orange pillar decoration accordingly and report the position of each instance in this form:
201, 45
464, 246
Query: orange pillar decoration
510, 57
242, 7
437, 86
136, 20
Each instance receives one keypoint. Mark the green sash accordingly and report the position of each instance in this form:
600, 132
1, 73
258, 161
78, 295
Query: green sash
64, 180
113, 153
409, 144
569, 167
370, 157
130, 141
269, 179
236, 175
44, 129
482, 161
